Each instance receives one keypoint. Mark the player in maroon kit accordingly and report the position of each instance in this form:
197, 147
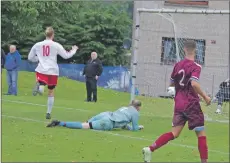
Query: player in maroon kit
185, 78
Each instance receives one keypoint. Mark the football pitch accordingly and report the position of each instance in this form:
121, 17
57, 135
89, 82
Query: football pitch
26, 139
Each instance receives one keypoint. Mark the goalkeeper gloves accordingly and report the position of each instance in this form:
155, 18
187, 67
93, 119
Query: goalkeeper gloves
141, 127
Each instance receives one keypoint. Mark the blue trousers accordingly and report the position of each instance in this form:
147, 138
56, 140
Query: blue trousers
12, 80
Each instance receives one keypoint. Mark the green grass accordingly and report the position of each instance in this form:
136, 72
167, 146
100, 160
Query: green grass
26, 139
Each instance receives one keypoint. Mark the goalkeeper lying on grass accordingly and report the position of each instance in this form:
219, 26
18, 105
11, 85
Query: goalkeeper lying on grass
108, 120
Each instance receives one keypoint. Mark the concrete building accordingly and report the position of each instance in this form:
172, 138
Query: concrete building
210, 31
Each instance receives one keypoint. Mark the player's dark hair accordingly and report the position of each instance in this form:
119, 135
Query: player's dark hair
190, 44
136, 103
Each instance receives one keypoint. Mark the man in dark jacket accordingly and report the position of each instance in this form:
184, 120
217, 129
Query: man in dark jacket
3, 58
12, 63
92, 70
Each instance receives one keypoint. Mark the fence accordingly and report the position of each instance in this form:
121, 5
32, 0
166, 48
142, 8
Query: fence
118, 78
113, 77
158, 80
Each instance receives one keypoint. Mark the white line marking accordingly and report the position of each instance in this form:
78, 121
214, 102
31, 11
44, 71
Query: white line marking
120, 135
25, 119
29, 103
146, 114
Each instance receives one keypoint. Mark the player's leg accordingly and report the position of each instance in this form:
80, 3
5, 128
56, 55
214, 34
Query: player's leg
179, 121
50, 101
103, 124
41, 82
219, 108
39, 88
220, 100
52, 82
35, 89
196, 123
202, 145
161, 141
73, 125
165, 138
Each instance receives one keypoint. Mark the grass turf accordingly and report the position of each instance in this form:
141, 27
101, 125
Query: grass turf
26, 139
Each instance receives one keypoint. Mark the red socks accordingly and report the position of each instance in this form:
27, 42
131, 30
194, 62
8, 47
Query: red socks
162, 140
165, 138
203, 148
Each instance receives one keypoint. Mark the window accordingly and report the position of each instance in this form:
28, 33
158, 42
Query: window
168, 50
190, 3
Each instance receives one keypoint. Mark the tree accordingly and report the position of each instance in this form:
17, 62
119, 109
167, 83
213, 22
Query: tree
93, 26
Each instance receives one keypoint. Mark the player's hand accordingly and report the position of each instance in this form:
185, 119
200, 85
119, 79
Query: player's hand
74, 47
141, 127
207, 99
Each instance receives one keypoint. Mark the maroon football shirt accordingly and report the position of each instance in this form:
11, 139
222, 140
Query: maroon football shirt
183, 72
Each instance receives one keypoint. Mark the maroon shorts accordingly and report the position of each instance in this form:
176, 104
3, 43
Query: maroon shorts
193, 114
50, 80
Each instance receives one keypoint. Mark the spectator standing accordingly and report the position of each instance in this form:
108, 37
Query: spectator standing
12, 63
3, 58
92, 70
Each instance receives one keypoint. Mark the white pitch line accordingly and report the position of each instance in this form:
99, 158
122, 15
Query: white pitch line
34, 104
120, 135
22, 118
85, 110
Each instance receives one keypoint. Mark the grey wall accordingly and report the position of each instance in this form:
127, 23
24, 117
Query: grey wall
152, 77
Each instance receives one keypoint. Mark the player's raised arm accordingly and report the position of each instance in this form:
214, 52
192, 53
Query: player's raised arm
66, 54
32, 55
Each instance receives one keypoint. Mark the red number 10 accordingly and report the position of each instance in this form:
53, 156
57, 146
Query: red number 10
46, 50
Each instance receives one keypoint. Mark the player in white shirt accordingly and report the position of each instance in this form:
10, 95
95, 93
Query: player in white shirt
47, 71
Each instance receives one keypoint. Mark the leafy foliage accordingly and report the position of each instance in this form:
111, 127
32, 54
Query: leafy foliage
93, 26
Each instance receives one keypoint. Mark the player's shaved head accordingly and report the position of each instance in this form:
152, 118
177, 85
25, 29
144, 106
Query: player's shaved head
49, 32
136, 104
190, 46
